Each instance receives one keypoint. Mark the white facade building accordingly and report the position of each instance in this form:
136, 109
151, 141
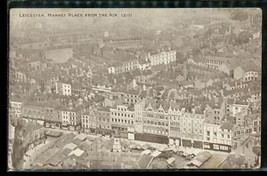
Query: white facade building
63, 89
122, 117
15, 108
162, 57
215, 134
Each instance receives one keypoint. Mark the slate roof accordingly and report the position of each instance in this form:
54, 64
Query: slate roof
63, 140
227, 126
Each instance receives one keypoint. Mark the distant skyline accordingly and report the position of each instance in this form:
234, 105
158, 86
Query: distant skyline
153, 18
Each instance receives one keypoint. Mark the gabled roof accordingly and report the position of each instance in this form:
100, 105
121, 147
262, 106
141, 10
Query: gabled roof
203, 156
77, 152
63, 140
70, 146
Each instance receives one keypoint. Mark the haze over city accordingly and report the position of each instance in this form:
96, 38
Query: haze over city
135, 88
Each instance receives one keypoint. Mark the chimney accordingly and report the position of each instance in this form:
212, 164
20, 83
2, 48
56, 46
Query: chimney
144, 87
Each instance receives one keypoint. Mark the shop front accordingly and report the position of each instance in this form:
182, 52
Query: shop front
198, 144
187, 143
152, 138
217, 147
174, 141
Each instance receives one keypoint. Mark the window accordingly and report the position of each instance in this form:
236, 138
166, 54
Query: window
216, 147
208, 133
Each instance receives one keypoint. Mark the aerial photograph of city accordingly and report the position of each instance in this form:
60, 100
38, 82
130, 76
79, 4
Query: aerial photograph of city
134, 88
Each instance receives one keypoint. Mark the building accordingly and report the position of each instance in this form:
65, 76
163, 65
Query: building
138, 116
236, 107
156, 118
103, 120
217, 63
33, 112
192, 71
164, 56
129, 96
246, 73
216, 111
35, 65
15, 107
124, 66
218, 137
85, 122
175, 125
63, 88
34, 137
20, 76
142, 77
122, 42
122, 117
192, 122
144, 64
235, 85
89, 120
70, 120
52, 118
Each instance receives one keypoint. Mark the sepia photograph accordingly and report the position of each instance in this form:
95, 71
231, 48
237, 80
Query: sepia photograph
134, 88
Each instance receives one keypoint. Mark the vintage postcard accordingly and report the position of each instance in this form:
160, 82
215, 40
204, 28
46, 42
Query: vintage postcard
135, 88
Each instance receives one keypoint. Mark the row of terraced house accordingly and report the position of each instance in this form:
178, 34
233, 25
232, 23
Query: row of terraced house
204, 125
144, 61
